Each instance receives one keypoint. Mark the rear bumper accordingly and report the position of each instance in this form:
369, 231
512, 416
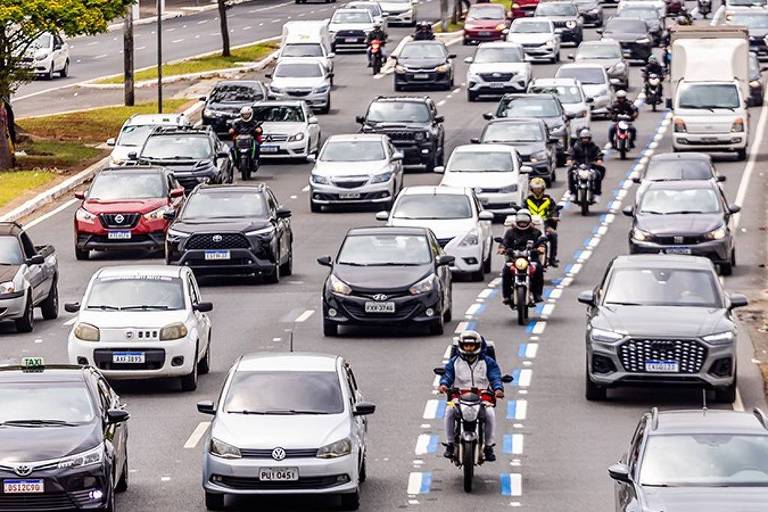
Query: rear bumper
709, 141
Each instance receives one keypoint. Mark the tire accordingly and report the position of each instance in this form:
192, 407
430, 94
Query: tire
592, 391
214, 501
487, 263
436, 327
330, 329
471, 96
350, 501
477, 276
726, 269
741, 155
122, 484
189, 381
82, 254
376, 66
521, 305
64, 73
286, 268
583, 202
653, 106
204, 366
623, 149
327, 108
726, 394
398, 87
468, 465
363, 474
448, 315
50, 306
314, 207
27, 322
50, 73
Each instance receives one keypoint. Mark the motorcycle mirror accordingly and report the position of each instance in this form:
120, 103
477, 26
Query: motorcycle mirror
506, 379
488, 116
628, 211
721, 178
498, 239
559, 207
268, 75
222, 154
439, 371
474, 140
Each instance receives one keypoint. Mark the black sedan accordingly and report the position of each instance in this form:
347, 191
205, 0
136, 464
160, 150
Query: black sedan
226, 99
237, 229
634, 36
63, 441
388, 276
684, 217
678, 167
756, 21
424, 64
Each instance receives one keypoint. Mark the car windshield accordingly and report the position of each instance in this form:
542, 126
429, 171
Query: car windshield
481, 161
134, 292
423, 51
640, 13
134, 135
354, 16
10, 251
588, 76
567, 94
662, 287
127, 185
556, 9
352, 151
42, 41
599, 51
298, 70
54, 401
235, 94
383, 250
433, 207
486, 12
513, 132
302, 50
705, 460
626, 26
398, 112
678, 169
746, 3
750, 20
177, 147
490, 55
528, 107
279, 114
529, 27
230, 204
284, 393
709, 96
677, 200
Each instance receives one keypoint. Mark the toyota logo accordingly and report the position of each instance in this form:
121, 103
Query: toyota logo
217, 238
23, 469
379, 296
119, 218
278, 454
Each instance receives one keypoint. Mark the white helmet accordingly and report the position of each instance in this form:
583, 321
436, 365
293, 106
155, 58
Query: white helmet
246, 113
470, 344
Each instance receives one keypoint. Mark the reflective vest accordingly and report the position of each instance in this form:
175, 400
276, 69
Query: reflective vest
540, 210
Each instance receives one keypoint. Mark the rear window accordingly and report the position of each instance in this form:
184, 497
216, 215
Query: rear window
588, 76
236, 94
529, 107
666, 170
629, 26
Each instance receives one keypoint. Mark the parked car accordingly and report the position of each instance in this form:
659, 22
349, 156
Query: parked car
565, 15
29, 278
497, 68
608, 54
571, 95
47, 55
135, 131
537, 37
303, 79
289, 129
349, 28
485, 22
400, 12
424, 64
530, 138
225, 100
594, 80
634, 35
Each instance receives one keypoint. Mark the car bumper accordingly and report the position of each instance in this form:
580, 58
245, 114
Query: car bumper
350, 310
273, 150
569, 35
636, 52
241, 261
540, 169
425, 79
349, 42
415, 154
719, 251
406, 17
500, 203
138, 241
12, 307
65, 489
314, 100
616, 79
371, 193
468, 258
497, 88
709, 141
479, 36
540, 52
316, 476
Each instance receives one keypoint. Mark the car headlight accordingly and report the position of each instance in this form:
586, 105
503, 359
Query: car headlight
382, 178
322, 89
7, 288
338, 286
211, 113
172, 233
158, 213
84, 215
473, 77
754, 83
570, 24
471, 238
738, 125
42, 56
87, 332
296, 137
539, 156
558, 131
720, 338
173, 331
320, 180
442, 68
644, 40
83, 459
605, 335
334, 450
619, 67
550, 43
269, 230
224, 450
399, 69
425, 285
500, 27
508, 189
716, 234
275, 89
640, 235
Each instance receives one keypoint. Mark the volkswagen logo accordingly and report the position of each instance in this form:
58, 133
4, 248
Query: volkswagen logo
119, 218
217, 238
278, 453
23, 469
380, 297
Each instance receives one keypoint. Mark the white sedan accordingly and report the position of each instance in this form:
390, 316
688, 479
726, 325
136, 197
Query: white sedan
138, 322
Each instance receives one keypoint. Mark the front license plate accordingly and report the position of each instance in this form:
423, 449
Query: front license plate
216, 255
421, 76
678, 250
661, 366
485, 33
119, 235
349, 195
129, 357
350, 40
23, 486
709, 140
627, 53
269, 149
497, 86
279, 474
379, 307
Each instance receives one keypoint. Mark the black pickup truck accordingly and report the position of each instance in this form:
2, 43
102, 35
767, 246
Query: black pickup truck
28, 278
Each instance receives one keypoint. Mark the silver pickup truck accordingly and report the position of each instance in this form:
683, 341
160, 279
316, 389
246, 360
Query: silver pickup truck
28, 278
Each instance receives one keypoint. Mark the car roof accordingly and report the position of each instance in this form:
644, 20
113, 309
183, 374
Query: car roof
706, 421
277, 103
435, 190
485, 148
680, 156
425, 43
500, 44
302, 60
244, 83
516, 120
413, 99
158, 119
388, 230
49, 373
599, 42
220, 188
534, 95
555, 81
149, 270
357, 136
661, 261
135, 169
287, 362
582, 65
10, 228
532, 19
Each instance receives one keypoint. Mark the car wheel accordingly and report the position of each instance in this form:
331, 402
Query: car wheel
471, 96
50, 73
110, 507
477, 276
81, 254
287, 267
214, 501
314, 207
122, 484
274, 276
363, 475
64, 73
487, 261
204, 366
330, 329
351, 501
50, 306
448, 314
741, 155
327, 108
189, 381
27, 322
592, 391
436, 327
398, 87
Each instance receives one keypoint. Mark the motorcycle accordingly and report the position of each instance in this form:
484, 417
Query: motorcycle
705, 7
377, 59
621, 137
470, 407
245, 149
522, 265
584, 178
653, 90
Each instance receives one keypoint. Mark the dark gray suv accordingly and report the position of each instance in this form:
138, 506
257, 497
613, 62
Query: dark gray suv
660, 319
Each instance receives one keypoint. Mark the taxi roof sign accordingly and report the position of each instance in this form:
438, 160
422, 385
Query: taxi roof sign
33, 363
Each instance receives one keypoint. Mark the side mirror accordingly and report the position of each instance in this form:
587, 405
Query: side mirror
331, 75
488, 116
587, 297
111, 141
763, 69
37, 259
359, 119
268, 75
72, 307
398, 156
445, 259
506, 379
737, 300
498, 239
203, 307
177, 192
364, 409
331, 55
451, 55
311, 158
439, 169
486, 215
571, 56
669, 103
439, 119
206, 407
734, 208
468, 60
589, 100
325, 261
570, 116
169, 216
439, 371
312, 120
629, 211
619, 472
475, 140
283, 213
636, 179
222, 154
526, 169
133, 155
383, 216
115, 416
599, 31
720, 178
202, 98
80, 195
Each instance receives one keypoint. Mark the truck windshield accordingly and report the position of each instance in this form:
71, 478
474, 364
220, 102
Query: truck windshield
709, 96
10, 251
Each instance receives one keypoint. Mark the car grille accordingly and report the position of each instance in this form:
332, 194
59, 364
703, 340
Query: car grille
307, 482
559, 24
487, 190
689, 354
290, 453
677, 240
228, 241
444, 241
497, 77
401, 136
188, 182
275, 137
299, 93
350, 33
119, 220
532, 45
350, 181
40, 502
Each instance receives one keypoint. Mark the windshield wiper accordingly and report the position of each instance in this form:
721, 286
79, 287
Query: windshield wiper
103, 307
352, 264
145, 307
37, 423
684, 212
623, 304
291, 412
652, 212
246, 411
391, 264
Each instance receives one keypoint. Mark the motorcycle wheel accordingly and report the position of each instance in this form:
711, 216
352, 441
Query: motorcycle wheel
623, 149
468, 465
521, 301
653, 104
245, 169
376, 66
583, 202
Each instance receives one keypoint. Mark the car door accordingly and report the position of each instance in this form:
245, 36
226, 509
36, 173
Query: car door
443, 271
202, 320
484, 226
625, 492
34, 274
115, 434
359, 423
282, 227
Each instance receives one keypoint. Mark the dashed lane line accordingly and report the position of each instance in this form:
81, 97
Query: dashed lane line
197, 434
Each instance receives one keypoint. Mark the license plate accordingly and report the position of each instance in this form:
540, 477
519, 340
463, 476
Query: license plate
379, 307
678, 250
23, 486
217, 255
119, 235
485, 33
129, 358
497, 85
421, 76
279, 474
626, 53
709, 139
269, 149
659, 366
350, 40
349, 195
559, 30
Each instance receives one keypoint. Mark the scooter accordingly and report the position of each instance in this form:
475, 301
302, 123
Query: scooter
584, 178
653, 90
377, 59
621, 137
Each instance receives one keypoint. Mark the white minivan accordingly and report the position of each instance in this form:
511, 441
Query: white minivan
307, 39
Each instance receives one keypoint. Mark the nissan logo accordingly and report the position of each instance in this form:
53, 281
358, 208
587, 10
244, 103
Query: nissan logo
380, 297
119, 218
23, 469
217, 238
278, 454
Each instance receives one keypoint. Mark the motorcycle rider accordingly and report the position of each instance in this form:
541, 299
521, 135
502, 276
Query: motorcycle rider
376, 33
246, 124
653, 67
544, 205
521, 231
622, 106
584, 151
423, 32
472, 367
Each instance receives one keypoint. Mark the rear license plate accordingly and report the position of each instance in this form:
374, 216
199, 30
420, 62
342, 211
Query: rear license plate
379, 307
129, 357
662, 366
119, 235
678, 250
279, 474
349, 195
23, 486
421, 76
217, 255
269, 149
626, 53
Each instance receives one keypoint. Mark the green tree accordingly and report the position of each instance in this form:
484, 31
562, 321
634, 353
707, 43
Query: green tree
23, 21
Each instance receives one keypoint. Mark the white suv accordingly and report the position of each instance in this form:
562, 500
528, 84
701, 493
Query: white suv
138, 322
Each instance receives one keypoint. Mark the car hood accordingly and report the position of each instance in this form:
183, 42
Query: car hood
396, 126
123, 206
381, 278
484, 24
683, 224
131, 319
574, 108
478, 180
421, 63
706, 499
349, 168
289, 128
499, 67
46, 443
525, 148
678, 321
180, 166
219, 226
442, 228
624, 37
395, 7
230, 107
310, 82
592, 90
8, 272
121, 152
535, 38
285, 431
606, 63
337, 27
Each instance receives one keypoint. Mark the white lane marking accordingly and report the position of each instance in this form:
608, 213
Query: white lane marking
305, 189
447, 352
197, 434
422, 445
609, 218
521, 409
272, 7
738, 404
50, 214
485, 293
593, 243
247, 28
575, 269
430, 409
473, 309
414, 483
525, 378
517, 444
177, 41
516, 484
100, 56
461, 327
494, 283
539, 327
531, 350
305, 316
547, 310
602, 230
456, 90
165, 479
71, 321
441, 103
556, 293
747, 174
202, 22
278, 20
436, 381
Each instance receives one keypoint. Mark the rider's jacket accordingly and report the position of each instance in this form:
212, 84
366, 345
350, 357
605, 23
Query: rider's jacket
484, 373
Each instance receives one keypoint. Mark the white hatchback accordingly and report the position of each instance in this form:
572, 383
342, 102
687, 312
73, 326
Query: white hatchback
142, 321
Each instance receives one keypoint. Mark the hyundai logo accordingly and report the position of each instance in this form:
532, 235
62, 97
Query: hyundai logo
129, 335
278, 453
119, 218
380, 297
217, 238
23, 469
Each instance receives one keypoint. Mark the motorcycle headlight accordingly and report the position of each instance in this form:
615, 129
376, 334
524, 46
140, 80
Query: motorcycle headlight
720, 338
382, 178
570, 24
584, 174
644, 40
399, 69
338, 286
640, 235
471, 238
425, 285
296, 137
224, 450
87, 332
521, 264
470, 413
158, 213
716, 234
334, 450
320, 180
84, 215
173, 331
172, 233
443, 68
605, 335
508, 189
83, 459
7, 288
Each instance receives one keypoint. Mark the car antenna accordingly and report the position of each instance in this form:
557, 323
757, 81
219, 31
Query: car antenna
704, 401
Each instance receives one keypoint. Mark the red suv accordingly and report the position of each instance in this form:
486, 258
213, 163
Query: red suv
485, 22
125, 209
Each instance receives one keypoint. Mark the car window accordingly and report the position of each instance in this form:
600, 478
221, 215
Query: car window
530, 27
752, 20
423, 51
494, 54
27, 245
662, 287
112, 185
352, 151
355, 16
708, 96
277, 392
626, 25
10, 251
636, 444
279, 114
105, 397
513, 132
302, 50
298, 70
599, 51
68, 401
177, 147
231, 204
235, 93
678, 169
529, 107
194, 296
486, 12
588, 76
136, 292
556, 9
431, 206
678, 201
384, 249
568, 94
398, 111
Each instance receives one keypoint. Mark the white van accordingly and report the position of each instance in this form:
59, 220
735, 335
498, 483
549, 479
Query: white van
307, 39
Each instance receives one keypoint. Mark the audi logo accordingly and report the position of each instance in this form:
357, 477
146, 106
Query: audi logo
217, 238
278, 454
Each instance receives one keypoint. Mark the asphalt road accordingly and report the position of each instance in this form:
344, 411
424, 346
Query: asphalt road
554, 447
